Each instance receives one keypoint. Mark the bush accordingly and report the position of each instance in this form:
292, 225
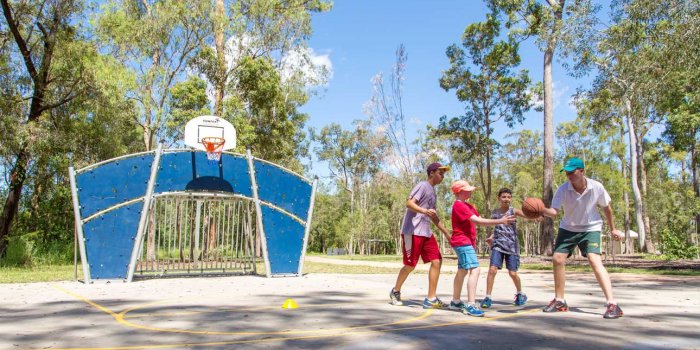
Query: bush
30, 249
675, 245
18, 253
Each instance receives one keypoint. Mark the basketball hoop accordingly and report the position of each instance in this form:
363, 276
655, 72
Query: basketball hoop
213, 146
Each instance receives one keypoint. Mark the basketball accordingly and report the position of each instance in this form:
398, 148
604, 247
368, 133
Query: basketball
532, 207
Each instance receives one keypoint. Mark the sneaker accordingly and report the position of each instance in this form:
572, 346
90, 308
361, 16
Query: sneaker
612, 311
555, 306
520, 299
486, 303
457, 306
473, 310
437, 304
395, 297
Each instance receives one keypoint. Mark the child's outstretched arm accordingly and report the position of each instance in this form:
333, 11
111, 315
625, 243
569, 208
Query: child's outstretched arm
520, 213
492, 222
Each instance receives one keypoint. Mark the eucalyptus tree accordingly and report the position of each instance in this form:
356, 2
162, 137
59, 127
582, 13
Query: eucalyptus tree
554, 24
156, 39
263, 40
483, 77
634, 60
385, 108
46, 64
354, 157
680, 97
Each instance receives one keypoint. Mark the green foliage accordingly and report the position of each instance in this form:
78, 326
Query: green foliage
265, 116
674, 245
482, 78
189, 101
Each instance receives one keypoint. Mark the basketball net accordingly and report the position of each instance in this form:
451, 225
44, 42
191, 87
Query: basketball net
213, 146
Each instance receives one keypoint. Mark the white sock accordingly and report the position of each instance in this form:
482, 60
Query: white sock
561, 299
520, 292
456, 302
610, 302
488, 296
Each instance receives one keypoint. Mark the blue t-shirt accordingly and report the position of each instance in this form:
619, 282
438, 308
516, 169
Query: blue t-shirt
505, 236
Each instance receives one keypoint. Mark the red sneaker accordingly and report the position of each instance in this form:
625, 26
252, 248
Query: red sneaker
612, 311
555, 306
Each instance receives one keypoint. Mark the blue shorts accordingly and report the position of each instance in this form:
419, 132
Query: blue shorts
466, 257
512, 261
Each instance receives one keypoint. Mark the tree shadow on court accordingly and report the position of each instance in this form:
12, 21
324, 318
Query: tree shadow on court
336, 319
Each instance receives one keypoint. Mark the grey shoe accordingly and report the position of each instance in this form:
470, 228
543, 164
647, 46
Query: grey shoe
395, 297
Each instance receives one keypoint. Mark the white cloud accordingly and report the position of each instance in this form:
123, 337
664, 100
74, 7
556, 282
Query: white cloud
557, 93
415, 121
314, 69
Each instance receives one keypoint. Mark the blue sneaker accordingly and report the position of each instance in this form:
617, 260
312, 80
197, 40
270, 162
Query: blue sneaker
486, 303
520, 299
473, 310
437, 304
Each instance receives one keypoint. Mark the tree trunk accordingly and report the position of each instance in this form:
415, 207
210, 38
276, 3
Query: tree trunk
14, 193
649, 244
220, 83
40, 83
633, 175
548, 175
625, 196
696, 182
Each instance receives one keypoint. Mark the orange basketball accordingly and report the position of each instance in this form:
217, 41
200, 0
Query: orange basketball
533, 207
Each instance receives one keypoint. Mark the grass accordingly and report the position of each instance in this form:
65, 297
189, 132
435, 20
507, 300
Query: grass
313, 267
379, 258
615, 269
50, 273
44, 273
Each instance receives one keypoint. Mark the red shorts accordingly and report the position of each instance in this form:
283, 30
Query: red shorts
423, 247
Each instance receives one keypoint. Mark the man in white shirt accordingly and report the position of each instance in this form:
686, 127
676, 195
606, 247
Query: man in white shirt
581, 226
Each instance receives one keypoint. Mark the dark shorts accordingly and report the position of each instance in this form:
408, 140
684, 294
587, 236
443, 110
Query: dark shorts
422, 247
512, 261
587, 242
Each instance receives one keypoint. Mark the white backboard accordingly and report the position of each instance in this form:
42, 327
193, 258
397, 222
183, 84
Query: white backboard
209, 126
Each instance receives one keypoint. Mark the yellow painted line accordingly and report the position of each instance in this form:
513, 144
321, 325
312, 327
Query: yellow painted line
119, 317
169, 314
331, 332
471, 320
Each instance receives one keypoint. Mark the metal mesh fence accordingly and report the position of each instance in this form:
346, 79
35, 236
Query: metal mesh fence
198, 234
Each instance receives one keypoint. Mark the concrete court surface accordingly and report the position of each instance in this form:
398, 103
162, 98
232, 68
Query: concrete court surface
344, 312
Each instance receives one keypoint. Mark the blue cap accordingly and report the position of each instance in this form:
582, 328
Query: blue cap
572, 164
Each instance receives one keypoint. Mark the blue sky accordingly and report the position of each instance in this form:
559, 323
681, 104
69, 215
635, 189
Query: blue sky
361, 36
358, 39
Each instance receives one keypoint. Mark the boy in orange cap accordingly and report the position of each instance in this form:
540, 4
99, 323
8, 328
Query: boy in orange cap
465, 218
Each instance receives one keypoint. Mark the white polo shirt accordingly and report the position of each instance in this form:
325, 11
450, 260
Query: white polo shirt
580, 210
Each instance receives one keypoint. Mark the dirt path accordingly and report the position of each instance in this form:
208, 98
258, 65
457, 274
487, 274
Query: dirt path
627, 261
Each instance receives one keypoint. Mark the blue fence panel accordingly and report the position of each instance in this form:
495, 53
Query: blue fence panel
113, 183
191, 170
285, 240
283, 189
109, 240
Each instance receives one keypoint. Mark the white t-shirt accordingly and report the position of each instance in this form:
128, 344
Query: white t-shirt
580, 210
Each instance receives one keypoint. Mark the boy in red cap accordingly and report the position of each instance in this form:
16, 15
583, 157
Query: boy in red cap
465, 217
417, 238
